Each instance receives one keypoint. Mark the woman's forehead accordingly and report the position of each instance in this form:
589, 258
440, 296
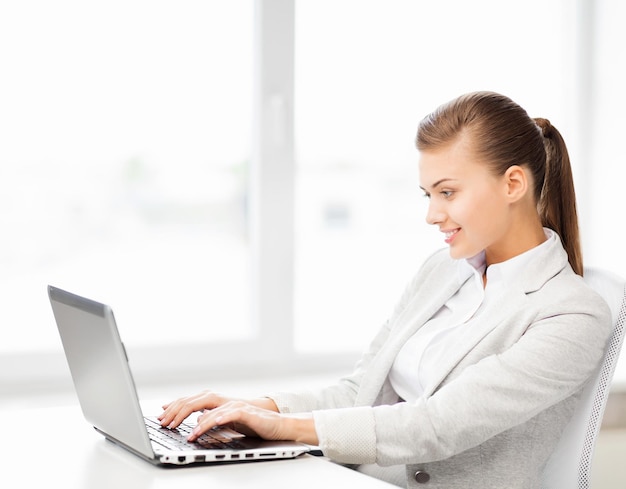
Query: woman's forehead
451, 162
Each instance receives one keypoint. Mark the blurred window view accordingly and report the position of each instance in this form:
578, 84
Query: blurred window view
366, 73
125, 142
605, 129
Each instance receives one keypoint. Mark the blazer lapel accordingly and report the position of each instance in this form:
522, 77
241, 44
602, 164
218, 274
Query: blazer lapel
494, 316
415, 315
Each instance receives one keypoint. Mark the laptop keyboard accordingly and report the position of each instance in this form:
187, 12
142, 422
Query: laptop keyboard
176, 439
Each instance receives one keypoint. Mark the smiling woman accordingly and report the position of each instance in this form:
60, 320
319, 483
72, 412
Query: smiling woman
493, 340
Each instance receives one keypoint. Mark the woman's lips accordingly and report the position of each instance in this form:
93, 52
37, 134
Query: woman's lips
449, 235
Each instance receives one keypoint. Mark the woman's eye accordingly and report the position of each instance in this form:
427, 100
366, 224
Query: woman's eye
446, 194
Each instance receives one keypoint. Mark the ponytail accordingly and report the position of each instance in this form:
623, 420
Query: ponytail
557, 199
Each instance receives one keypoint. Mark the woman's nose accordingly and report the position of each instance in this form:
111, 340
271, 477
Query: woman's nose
434, 215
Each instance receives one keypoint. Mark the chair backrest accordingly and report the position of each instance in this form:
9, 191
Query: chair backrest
569, 466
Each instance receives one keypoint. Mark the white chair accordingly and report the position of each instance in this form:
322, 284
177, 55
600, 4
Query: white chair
569, 466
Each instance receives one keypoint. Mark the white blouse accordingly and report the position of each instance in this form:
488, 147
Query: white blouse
416, 362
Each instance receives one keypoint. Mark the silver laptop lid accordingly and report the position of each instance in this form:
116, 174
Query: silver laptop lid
99, 368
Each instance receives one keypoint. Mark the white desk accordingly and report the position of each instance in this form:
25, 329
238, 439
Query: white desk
73, 455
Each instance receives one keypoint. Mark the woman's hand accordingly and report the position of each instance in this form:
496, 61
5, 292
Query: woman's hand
253, 420
175, 412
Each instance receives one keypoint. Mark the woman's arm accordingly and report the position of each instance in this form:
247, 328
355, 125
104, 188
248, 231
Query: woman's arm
550, 363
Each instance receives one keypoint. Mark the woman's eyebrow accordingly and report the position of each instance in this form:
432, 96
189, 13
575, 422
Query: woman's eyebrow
438, 182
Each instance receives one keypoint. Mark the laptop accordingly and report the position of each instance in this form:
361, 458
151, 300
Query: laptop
108, 398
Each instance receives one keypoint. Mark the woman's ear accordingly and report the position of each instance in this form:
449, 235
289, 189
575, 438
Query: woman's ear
517, 183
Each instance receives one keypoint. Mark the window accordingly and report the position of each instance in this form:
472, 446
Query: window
239, 178
604, 129
124, 166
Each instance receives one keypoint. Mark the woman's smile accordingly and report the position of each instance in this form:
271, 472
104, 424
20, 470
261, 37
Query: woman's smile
450, 235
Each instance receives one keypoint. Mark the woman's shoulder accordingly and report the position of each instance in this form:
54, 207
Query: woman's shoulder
573, 290
570, 284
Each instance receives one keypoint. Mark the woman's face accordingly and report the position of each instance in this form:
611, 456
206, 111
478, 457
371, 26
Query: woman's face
467, 202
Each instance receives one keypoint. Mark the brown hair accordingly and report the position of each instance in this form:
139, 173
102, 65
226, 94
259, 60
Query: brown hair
504, 135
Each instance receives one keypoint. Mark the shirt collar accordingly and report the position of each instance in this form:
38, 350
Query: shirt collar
505, 271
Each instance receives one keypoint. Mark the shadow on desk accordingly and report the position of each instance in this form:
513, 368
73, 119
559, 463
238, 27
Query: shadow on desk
57, 444
112, 466
108, 465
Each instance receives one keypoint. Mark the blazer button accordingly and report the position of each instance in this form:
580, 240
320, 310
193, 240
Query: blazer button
422, 477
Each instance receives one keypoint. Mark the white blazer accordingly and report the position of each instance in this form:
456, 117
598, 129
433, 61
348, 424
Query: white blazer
500, 400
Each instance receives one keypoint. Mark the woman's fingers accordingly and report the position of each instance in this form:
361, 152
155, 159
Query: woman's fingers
175, 412
251, 419
244, 417
258, 416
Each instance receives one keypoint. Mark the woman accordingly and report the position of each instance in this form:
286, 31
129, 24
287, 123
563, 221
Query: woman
476, 373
